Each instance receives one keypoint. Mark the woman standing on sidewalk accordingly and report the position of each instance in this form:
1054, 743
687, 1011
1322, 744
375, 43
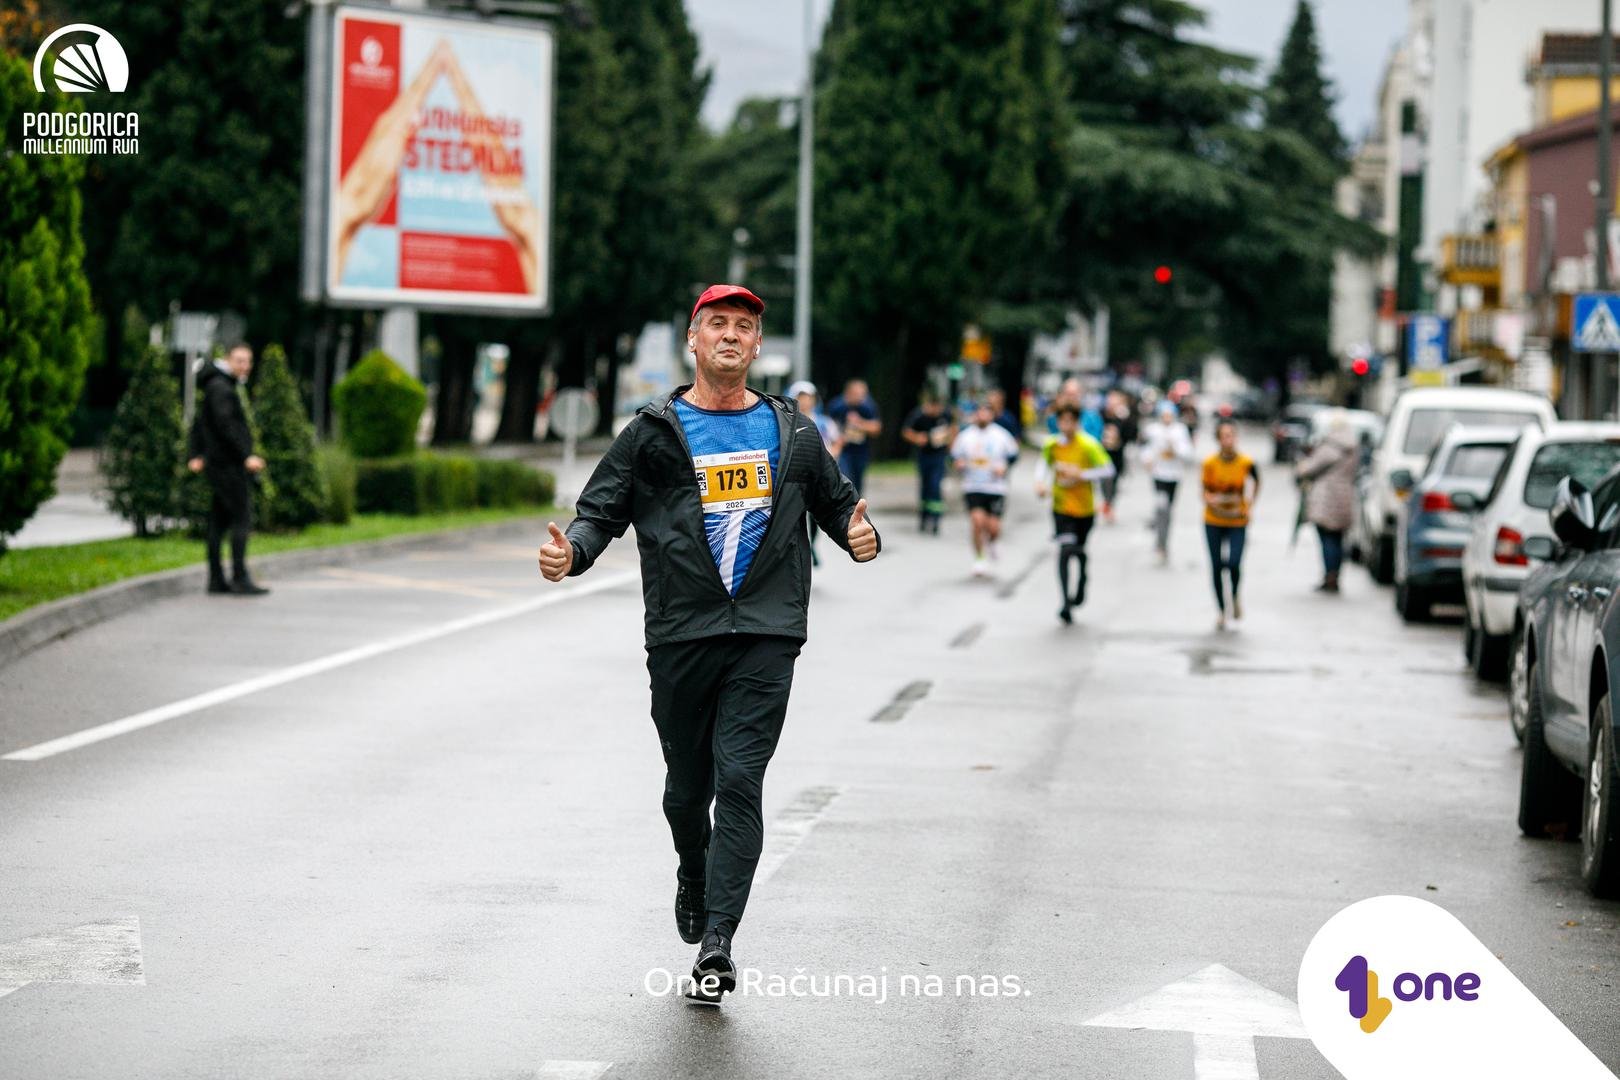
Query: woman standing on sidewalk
1329, 476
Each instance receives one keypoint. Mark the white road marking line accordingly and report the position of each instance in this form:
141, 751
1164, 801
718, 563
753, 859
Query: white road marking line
270, 679
394, 581
104, 953
789, 828
572, 1070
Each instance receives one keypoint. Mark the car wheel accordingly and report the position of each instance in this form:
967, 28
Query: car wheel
1490, 657
1600, 825
1470, 637
1519, 685
1549, 795
1412, 601
1383, 560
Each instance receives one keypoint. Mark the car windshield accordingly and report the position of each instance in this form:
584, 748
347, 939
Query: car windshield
1475, 461
1587, 462
1426, 426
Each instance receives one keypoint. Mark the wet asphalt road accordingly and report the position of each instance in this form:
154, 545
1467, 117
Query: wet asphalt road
445, 858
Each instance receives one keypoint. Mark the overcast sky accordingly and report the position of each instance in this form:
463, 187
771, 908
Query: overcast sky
757, 48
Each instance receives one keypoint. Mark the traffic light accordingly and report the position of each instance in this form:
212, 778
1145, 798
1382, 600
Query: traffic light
1360, 366
1162, 275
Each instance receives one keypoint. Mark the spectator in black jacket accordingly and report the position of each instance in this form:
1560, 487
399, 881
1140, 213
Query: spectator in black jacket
222, 449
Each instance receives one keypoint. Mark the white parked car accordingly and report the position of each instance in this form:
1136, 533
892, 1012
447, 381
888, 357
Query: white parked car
1418, 419
1515, 509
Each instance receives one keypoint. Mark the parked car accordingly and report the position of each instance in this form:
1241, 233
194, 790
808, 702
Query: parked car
1568, 643
1292, 429
1416, 422
1513, 510
1368, 426
1431, 528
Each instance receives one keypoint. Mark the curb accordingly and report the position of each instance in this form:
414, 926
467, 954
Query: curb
29, 630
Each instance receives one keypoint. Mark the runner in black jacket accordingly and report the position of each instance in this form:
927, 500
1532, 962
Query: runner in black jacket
717, 480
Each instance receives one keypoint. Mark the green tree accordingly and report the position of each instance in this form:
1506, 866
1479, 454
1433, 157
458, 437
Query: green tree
1299, 97
378, 406
287, 444
141, 459
938, 148
45, 315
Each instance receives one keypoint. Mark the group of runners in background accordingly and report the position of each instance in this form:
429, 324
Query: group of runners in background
1087, 446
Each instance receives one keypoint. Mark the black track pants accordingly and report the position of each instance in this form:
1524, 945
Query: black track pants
718, 704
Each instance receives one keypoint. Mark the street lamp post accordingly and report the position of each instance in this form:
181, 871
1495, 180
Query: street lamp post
801, 258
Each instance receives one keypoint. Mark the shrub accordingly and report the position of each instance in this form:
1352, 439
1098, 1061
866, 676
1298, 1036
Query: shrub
286, 440
446, 483
434, 483
142, 459
378, 407
386, 486
512, 483
339, 477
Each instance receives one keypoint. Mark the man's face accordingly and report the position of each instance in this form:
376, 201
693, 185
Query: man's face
240, 361
997, 401
855, 393
1067, 422
982, 415
807, 403
726, 340
1227, 437
933, 408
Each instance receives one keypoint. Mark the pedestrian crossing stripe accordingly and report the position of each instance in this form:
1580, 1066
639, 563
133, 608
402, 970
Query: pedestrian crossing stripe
1600, 332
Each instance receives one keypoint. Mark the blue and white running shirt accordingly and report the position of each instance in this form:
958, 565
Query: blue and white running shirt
735, 455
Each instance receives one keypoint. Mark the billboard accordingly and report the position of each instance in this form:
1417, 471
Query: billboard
438, 192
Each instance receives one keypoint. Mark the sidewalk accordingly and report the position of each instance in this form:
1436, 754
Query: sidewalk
78, 512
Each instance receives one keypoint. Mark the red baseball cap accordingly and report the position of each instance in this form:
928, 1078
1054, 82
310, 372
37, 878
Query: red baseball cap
716, 293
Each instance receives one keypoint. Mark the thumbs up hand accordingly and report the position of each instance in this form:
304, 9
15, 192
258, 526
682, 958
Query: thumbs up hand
862, 537
556, 555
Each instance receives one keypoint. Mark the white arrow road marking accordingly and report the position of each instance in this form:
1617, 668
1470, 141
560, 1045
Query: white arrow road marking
99, 953
270, 679
788, 830
572, 1070
1223, 1010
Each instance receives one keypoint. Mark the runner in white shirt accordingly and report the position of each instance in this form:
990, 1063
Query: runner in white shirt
982, 452
1166, 449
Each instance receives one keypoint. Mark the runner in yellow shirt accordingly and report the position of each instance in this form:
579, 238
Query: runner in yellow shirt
1073, 461
1231, 484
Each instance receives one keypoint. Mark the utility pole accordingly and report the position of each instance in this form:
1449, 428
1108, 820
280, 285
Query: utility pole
801, 257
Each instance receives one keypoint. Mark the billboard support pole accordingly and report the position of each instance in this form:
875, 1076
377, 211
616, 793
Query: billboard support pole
802, 254
318, 88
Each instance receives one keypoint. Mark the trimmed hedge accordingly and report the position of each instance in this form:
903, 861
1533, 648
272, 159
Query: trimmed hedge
378, 406
434, 483
339, 475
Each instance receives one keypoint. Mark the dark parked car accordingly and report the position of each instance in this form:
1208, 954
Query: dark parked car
1566, 662
1293, 429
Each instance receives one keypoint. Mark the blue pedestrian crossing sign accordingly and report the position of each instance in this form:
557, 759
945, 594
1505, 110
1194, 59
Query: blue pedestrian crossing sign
1595, 322
1431, 337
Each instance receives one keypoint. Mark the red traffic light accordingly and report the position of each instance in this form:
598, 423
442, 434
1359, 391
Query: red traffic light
1162, 275
1360, 366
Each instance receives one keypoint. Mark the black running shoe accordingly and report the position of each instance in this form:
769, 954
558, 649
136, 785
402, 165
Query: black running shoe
691, 909
713, 972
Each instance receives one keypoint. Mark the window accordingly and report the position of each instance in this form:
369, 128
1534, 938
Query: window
1587, 463
1426, 426
1476, 461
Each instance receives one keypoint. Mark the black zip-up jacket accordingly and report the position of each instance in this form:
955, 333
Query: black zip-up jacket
646, 479
219, 432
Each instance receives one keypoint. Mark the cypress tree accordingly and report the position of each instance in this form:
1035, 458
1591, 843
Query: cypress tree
142, 458
1299, 97
286, 440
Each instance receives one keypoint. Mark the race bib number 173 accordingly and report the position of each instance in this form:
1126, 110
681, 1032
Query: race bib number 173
736, 481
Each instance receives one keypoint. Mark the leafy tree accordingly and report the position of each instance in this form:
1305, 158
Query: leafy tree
45, 315
937, 147
1299, 97
287, 444
141, 459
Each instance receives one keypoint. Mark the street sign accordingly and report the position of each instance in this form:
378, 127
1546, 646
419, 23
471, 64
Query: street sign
1595, 323
1430, 341
1223, 1010
573, 413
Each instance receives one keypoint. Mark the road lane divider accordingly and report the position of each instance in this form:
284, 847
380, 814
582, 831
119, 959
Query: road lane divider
282, 676
908, 695
789, 828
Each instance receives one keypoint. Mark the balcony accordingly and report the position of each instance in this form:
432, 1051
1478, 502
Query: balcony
1471, 260
1473, 332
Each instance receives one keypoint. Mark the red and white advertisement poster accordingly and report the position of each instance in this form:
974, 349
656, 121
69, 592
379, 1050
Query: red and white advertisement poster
440, 187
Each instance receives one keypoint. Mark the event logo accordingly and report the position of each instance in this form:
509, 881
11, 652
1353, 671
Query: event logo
371, 52
1360, 983
84, 59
